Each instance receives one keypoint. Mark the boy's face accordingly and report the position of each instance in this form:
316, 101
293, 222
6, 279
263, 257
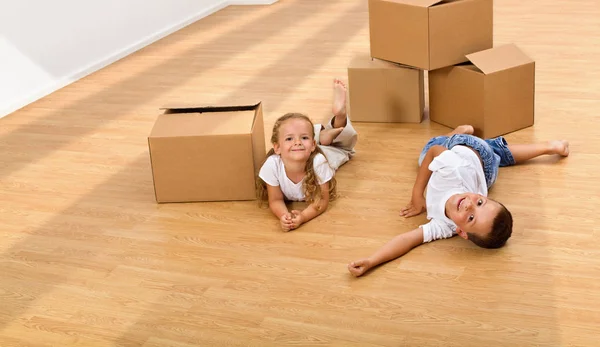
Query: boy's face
472, 213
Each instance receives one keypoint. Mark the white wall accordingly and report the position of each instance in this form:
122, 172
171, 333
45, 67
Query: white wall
45, 45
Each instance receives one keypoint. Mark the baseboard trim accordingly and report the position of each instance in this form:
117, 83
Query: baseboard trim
65, 81
251, 2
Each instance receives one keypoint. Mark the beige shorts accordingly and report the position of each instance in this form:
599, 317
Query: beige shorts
342, 148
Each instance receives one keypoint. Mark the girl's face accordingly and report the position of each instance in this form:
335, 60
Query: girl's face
296, 141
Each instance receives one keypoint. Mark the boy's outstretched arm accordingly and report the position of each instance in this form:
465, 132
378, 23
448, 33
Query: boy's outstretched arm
396, 247
417, 203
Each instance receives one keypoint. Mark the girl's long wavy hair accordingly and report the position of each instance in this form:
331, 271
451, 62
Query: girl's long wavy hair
310, 186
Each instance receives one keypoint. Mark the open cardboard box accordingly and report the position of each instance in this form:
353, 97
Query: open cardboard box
381, 91
207, 153
429, 34
495, 93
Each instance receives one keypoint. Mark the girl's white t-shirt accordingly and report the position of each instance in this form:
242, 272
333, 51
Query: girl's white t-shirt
273, 173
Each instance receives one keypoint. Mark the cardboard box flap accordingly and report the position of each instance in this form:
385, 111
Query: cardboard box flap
202, 124
420, 3
499, 58
222, 106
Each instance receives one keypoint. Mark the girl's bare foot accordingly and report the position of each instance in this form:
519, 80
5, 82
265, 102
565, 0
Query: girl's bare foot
327, 136
463, 129
560, 147
359, 267
339, 103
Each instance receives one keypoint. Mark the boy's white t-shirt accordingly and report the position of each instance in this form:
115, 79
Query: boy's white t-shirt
273, 173
454, 171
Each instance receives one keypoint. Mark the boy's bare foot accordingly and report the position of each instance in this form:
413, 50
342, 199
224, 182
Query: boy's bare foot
463, 129
328, 135
359, 267
339, 103
560, 147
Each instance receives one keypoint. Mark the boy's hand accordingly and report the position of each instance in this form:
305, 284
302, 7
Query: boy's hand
297, 219
359, 267
416, 206
286, 222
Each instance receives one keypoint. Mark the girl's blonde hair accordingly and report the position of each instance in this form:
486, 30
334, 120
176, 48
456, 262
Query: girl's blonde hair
310, 186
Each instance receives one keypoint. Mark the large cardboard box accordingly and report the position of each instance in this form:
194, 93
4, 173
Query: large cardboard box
429, 34
380, 91
207, 153
495, 93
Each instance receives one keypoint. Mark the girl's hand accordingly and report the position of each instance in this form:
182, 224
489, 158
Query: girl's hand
297, 219
416, 206
286, 222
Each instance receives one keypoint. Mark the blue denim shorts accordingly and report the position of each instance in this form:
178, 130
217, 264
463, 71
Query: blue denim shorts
494, 152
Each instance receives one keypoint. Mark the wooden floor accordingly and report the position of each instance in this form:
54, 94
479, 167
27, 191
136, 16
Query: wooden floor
87, 258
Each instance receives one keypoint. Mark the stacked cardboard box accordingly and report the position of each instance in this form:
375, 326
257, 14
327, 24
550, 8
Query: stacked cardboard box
470, 81
380, 91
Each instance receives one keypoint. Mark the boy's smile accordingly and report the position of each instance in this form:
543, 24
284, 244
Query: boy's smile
460, 201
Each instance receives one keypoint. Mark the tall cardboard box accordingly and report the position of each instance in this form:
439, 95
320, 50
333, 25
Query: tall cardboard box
495, 93
207, 153
429, 34
380, 91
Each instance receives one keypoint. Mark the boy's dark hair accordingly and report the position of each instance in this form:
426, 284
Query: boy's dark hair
501, 230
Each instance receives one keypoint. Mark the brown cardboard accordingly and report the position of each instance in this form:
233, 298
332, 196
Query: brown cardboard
380, 91
429, 34
495, 93
207, 153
